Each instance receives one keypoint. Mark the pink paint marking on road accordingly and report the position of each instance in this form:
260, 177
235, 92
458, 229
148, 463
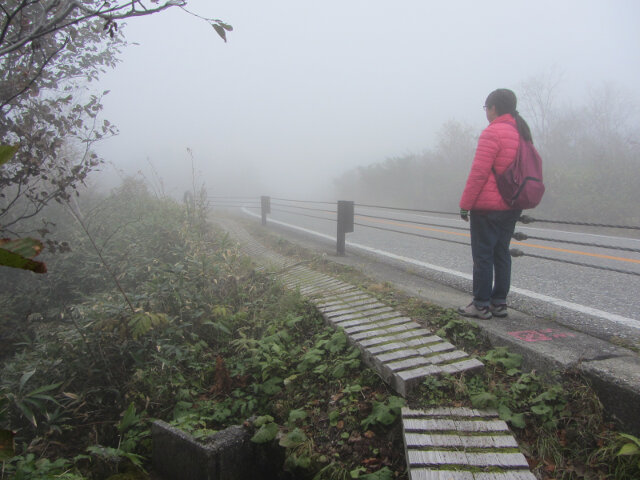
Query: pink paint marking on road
544, 335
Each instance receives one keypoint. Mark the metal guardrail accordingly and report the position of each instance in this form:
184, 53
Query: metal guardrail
343, 212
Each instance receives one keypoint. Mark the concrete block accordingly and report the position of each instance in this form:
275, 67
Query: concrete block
226, 455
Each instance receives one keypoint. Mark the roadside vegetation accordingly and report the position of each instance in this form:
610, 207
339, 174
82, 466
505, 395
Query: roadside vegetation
153, 314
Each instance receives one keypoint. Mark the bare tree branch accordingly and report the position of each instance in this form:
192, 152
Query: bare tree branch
64, 19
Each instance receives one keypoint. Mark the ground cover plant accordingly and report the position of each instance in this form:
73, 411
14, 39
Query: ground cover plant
556, 418
153, 314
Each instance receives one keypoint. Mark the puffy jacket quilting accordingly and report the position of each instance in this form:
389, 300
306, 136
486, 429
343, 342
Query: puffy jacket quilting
497, 148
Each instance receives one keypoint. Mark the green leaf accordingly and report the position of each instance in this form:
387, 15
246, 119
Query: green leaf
339, 370
289, 380
266, 433
356, 472
25, 378
295, 415
380, 413
26, 247
355, 388
26, 411
541, 410
263, 420
312, 356
484, 400
114, 454
272, 386
515, 419
44, 388
13, 259
143, 322
502, 356
320, 369
334, 415
293, 439
7, 152
396, 403
635, 440
293, 462
338, 342
383, 474
7, 445
629, 449
128, 419
220, 31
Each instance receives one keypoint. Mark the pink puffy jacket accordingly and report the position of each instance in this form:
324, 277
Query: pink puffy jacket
497, 149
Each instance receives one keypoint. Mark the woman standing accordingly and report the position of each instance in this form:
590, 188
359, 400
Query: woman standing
492, 220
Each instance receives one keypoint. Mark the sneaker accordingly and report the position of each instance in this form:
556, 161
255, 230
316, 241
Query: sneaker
498, 310
472, 310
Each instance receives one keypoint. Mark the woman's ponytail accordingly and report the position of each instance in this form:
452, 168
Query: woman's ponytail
523, 127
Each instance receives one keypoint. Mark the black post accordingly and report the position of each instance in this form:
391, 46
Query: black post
345, 223
265, 203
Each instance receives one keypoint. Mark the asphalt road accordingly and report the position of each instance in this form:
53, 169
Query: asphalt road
599, 302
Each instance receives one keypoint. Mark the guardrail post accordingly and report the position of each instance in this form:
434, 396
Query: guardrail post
265, 203
345, 223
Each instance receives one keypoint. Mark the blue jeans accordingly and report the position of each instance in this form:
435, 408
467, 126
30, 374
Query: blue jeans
490, 237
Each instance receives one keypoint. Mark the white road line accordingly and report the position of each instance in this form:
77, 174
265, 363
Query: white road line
629, 322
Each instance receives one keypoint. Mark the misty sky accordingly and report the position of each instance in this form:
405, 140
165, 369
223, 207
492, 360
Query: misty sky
305, 90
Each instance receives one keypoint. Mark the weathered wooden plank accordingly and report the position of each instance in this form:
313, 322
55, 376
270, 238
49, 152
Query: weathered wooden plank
385, 331
363, 327
431, 474
397, 355
448, 425
330, 286
421, 333
397, 366
354, 308
465, 365
449, 412
367, 313
423, 440
434, 457
449, 457
435, 348
410, 343
321, 283
341, 299
341, 305
510, 475
321, 289
429, 412
497, 459
373, 320
300, 274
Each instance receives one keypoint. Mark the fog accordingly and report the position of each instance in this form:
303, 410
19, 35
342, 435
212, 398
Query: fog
304, 91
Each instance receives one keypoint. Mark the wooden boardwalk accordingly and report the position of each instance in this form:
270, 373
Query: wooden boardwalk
461, 444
